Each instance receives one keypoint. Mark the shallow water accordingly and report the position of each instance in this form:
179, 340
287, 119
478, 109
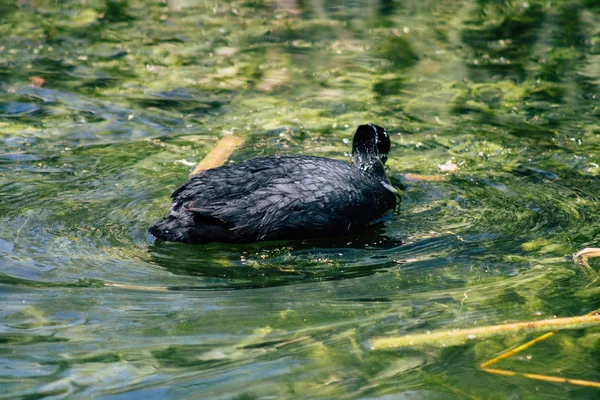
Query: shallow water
91, 307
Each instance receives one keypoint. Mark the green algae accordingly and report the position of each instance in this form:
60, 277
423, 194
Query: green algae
137, 91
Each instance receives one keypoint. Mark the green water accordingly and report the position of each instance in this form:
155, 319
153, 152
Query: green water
507, 90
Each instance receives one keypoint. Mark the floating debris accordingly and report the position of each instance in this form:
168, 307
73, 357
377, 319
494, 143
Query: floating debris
449, 166
37, 81
185, 162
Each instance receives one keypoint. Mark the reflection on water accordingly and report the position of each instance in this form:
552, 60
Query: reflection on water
134, 91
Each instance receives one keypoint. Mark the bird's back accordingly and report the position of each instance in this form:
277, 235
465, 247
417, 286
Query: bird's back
276, 197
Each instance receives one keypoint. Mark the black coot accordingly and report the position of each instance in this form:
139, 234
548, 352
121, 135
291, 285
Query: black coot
284, 197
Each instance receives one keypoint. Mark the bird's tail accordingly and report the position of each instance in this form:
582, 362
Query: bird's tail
169, 229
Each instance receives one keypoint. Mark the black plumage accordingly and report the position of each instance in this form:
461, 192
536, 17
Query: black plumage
284, 197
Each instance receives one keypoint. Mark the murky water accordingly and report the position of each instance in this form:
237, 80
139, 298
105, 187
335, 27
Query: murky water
134, 91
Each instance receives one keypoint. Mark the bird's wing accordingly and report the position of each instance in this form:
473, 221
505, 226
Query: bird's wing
306, 200
278, 195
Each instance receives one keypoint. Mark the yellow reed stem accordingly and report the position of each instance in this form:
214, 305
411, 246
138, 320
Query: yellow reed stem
137, 287
459, 336
217, 156
587, 252
516, 350
509, 353
545, 378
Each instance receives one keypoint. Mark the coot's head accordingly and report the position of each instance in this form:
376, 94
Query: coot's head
370, 141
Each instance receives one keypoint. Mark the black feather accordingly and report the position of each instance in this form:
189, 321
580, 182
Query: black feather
282, 197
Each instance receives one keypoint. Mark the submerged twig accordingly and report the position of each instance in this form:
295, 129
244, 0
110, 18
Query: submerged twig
582, 255
545, 378
19, 230
459, 336
137, 287
516, 350
580, 258
418, 177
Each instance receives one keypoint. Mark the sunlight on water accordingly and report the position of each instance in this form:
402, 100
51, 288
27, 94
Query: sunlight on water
133, 94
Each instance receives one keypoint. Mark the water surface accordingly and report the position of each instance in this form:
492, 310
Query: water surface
135, 91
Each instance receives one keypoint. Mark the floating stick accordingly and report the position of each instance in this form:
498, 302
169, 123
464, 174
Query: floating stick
516, 350
217, 156
546, 378
580, 258
459, 336
137, 287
